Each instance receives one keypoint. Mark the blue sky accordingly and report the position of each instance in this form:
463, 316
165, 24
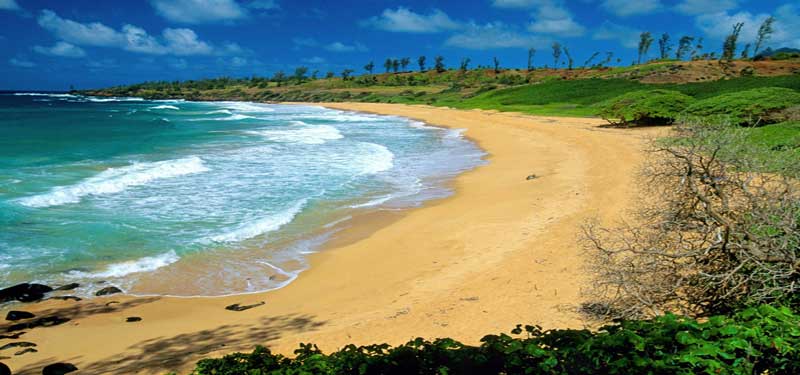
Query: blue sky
89, 43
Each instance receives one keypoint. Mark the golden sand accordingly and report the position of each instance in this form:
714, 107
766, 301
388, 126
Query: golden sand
501, 251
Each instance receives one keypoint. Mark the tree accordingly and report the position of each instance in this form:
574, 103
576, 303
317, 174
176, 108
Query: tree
729, 46
300, 73
645, 40
531, 55
664, 46
746, 51
421, 63
569, 57
314, 75
404, 63
496, 65
388, 65
395, 65
607, 60
346, 74
439, 64
279, 77
464, 64
369, 67
684, 44
330, 75
698, 48
589, 60
556, 54
764, 32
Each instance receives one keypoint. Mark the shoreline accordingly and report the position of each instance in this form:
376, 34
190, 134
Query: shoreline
499, 251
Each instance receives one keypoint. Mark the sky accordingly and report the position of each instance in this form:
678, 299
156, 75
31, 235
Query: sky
55, 44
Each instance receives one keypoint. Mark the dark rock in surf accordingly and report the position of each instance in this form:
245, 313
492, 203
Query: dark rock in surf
59, 369
4, 370
108, 291
12, 336
14, 315
238, 307
24, 292
66, 298
70, 286
133, 319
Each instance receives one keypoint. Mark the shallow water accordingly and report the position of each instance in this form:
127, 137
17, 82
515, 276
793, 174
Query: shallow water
234, 195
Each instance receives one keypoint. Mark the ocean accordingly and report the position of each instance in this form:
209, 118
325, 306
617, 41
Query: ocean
215, 198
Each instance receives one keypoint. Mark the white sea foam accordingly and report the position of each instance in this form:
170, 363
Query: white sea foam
375, 202
312, 135
247, 107
115, 180
376, 158
172, 107
45, 94
262, 226
114, 99
220, 111
146, 264
234, 117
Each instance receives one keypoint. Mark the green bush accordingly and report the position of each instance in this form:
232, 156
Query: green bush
645, 107
753, 107
755, 340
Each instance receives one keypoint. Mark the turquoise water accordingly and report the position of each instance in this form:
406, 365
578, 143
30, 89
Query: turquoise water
229, 196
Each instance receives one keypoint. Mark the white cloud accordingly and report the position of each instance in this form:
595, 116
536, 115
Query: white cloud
199, 11
404, 20
181, 41
341, 47
185, 42
91, 34
492, 35
695, 7
626, 36
8, 5
264, 4
624, 8
314, 60
787, 26
21, 62
62, 49
552, 18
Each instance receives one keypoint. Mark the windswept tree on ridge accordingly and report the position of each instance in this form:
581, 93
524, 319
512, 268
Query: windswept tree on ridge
684, 44
531, 55
388, 65
369, 67
764, 32
496, 65
439, 64
664, 46
346, 74
645, 40
300, 74
556, 54
698, 48
746, 51
404, 63
314, 75
395, 65
589, 60
569, 58
464, 64
729, 46
421, 63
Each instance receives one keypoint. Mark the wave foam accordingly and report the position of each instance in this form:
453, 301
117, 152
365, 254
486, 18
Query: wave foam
172, 107
377, 159
307, 134
247, 107
234, 117
146, 264
115, 99
115, 180
262, 226
220, 111
45, 94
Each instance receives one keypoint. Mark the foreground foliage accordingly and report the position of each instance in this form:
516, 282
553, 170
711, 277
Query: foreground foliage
751, 341
721, 236
645, 107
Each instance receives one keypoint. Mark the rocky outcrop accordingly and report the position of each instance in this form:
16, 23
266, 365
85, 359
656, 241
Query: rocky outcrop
24, 292
108, 291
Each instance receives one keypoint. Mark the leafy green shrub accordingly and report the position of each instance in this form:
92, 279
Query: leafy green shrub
750, 107
645, 107
754, 340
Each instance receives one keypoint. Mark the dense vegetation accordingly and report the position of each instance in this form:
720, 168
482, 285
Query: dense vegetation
650, 107
750, 107
755, 340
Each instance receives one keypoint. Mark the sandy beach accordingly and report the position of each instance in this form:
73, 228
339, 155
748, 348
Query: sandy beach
501, 251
